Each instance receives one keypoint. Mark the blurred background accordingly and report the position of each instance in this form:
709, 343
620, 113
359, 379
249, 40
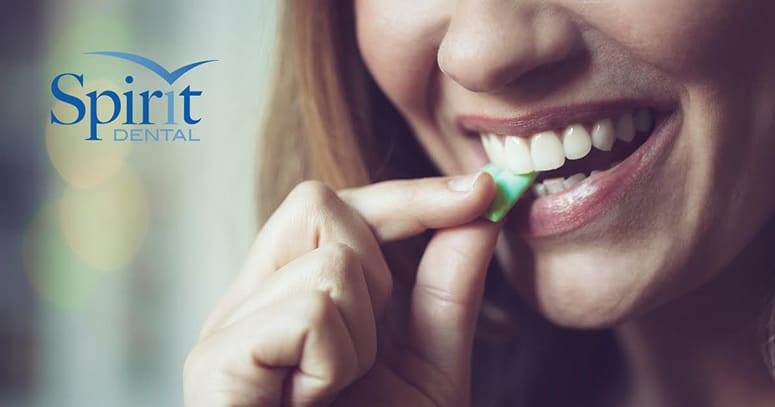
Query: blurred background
111, 253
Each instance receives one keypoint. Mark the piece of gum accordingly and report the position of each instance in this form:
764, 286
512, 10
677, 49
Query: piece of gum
509, 188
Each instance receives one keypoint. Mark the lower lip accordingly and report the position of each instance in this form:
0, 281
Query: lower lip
573, 208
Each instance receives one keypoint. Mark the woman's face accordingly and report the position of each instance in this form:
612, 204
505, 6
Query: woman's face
695, 79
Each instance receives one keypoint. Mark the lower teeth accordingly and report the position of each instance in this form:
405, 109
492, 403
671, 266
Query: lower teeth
555, 185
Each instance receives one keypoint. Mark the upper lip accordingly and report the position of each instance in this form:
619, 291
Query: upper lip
553, 118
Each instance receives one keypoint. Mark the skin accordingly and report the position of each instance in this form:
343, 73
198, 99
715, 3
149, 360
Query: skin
298, 325
705, 202
678, 267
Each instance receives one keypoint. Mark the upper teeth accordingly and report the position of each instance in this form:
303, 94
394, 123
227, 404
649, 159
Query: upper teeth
548, 150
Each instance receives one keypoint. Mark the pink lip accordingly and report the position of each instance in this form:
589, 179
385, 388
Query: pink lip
534, 122
571, 209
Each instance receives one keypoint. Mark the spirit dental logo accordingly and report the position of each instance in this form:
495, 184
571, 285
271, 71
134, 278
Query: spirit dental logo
136, 128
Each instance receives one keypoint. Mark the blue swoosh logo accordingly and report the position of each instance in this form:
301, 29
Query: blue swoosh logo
168, 76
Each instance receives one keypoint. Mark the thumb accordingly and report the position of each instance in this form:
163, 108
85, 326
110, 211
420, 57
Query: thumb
445, 305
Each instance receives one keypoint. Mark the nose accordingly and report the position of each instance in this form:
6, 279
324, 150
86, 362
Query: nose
491, 43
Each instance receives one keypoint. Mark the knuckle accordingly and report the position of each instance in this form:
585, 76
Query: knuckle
338, 269
340, 256
314, 194
315, 205
320, 310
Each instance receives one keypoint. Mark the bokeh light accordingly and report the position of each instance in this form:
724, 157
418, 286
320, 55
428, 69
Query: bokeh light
59, 276
85, 164
89, 32
118, 249
106, 225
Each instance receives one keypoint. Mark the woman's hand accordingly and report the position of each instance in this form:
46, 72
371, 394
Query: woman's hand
299, 324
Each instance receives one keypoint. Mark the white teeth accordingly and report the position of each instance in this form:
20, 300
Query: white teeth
487, 145
547, 151
644, 120
594, 172
576, 142
573, 180
625, 128
494, 149
518, 159
555, 185
540, 189
603, 135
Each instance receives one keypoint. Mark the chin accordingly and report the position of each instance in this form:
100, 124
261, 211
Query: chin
586, 289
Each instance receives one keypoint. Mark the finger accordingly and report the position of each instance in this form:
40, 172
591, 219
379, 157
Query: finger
335, 270
300, 343
397, 210
445, 304
310, 216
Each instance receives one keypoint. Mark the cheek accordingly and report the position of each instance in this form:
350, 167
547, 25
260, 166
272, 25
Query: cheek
690, 39
398, 40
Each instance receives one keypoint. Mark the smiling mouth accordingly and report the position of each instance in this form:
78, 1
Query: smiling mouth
566, 156
588, 157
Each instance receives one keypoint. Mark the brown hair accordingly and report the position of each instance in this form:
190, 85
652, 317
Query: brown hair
327, 119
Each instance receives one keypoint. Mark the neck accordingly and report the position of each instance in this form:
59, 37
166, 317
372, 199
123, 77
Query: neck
705, 348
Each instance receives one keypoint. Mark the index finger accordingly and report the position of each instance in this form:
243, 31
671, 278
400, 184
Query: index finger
400, 209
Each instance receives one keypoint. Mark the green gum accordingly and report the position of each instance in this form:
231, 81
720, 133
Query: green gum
509, 188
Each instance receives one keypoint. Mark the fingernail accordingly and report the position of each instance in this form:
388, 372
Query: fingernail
463, 183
